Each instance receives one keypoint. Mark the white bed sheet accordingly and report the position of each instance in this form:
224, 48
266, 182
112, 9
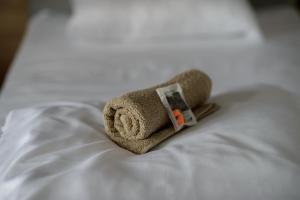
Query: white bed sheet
49, 66
248, 150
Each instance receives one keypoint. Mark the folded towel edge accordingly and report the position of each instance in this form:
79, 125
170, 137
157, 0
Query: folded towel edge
144, 145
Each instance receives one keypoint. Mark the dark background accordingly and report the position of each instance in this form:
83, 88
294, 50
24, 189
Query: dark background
260, 4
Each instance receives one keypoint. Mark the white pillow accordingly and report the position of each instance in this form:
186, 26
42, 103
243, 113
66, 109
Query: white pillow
126, 21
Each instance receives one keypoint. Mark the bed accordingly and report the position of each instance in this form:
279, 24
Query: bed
53, 145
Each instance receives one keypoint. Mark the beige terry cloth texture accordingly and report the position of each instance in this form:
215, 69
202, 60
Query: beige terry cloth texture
138, 121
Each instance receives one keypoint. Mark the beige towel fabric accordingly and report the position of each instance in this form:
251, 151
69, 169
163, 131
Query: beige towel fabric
137, 121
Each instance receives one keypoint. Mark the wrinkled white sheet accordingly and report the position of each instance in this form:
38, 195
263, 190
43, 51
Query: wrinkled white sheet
247, 150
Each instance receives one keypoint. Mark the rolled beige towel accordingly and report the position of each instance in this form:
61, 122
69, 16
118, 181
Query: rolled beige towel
138, 120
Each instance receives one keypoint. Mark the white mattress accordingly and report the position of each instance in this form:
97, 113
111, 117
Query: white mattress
50, 66
249, 149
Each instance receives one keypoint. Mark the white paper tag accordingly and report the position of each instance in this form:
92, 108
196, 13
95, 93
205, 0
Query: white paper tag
179, 112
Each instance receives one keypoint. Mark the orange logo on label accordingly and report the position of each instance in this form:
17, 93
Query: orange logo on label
178, 116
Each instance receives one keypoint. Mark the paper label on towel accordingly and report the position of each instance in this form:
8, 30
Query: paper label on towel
178, 110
